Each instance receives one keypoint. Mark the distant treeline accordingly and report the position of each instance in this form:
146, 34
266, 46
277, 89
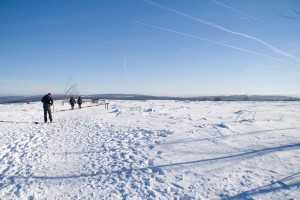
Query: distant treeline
24, 99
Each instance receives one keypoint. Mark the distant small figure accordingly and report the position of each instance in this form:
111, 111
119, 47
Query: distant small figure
47, 103
79, 102
72, 102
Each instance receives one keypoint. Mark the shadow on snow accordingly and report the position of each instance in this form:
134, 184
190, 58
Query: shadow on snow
15, 122
227, 136
249, 154
292, 186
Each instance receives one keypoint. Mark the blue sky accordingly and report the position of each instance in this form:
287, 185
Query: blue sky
166, 47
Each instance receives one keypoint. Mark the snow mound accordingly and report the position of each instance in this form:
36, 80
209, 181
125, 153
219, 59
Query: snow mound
149, 110
222, 126
241, 112
116, 111
247, 121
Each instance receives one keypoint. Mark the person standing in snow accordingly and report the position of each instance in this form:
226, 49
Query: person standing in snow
79, 102
72, 102
47, 103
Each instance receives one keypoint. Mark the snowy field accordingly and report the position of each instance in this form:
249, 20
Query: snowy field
151, 150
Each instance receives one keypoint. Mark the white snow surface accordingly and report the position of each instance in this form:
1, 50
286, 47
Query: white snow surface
151, 150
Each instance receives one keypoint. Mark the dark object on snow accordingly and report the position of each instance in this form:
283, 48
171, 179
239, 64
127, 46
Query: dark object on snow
106, 106
72, 102
47, 103
79, 102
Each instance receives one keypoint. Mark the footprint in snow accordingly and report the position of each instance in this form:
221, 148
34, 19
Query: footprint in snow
150, 162
157, 142
157, 170
160, 180
177, 186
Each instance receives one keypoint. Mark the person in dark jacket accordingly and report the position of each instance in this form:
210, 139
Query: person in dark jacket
72, 102
47, 103
79, 102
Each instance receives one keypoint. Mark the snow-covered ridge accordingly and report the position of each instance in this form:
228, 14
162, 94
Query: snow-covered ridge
151, 150
22, 99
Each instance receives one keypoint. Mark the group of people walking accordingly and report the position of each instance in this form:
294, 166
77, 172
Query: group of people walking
73, 102
48, 102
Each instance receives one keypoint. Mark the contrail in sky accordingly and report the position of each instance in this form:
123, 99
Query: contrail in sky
235, 10
278, 51
218, 43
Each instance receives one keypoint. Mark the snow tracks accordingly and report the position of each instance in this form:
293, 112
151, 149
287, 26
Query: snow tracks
80, 157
